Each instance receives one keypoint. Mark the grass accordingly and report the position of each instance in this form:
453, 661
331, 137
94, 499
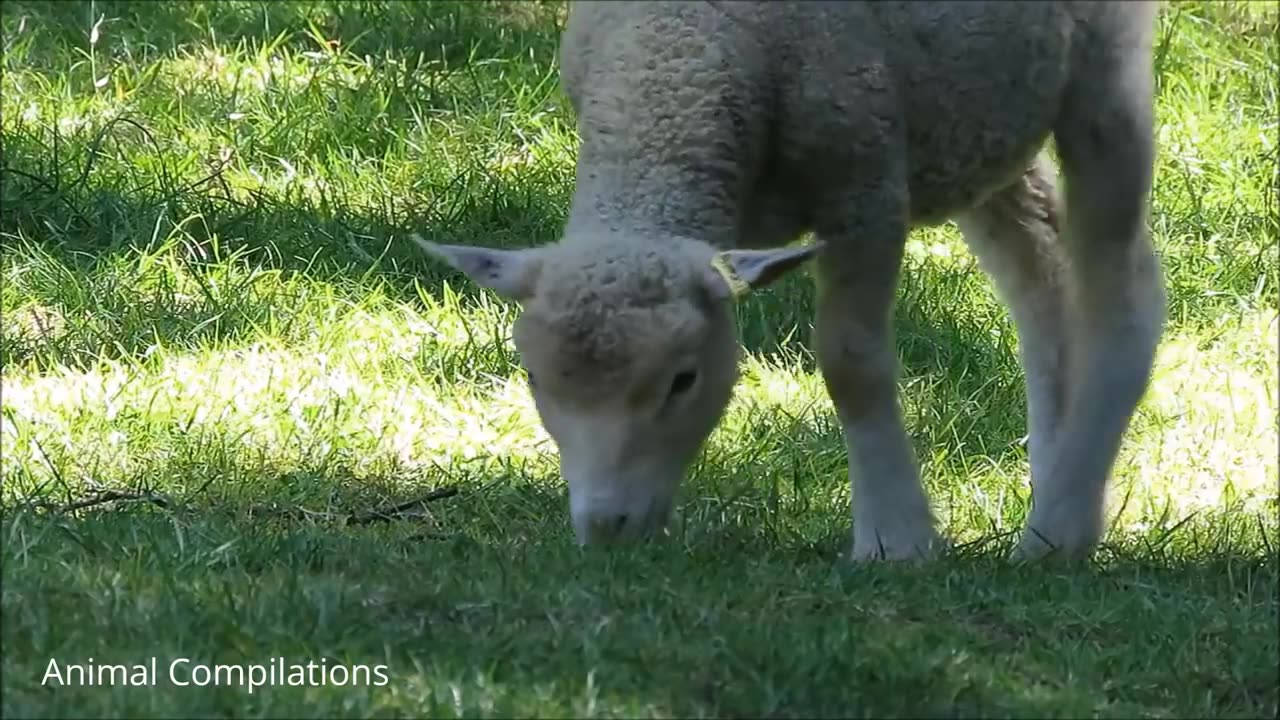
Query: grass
210, 306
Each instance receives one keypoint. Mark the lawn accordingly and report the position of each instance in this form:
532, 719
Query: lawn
246, 422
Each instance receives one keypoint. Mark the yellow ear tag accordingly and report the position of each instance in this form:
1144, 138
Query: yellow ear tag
737, 285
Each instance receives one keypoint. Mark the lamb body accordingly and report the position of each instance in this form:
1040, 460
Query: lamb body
716, 134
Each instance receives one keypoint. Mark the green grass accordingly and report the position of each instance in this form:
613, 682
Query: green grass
209, 300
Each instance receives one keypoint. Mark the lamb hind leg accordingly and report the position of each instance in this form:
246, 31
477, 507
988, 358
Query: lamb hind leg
1015, 238
856, 278
1105, 141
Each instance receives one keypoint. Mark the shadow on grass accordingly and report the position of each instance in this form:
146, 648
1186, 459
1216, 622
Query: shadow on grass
457, 31
87, 223
486, 607
84, 230
96, 203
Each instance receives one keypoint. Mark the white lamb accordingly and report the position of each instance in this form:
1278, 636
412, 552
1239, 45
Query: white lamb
713, 135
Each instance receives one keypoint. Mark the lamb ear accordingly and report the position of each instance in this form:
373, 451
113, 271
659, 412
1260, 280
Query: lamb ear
510, 273
735, 273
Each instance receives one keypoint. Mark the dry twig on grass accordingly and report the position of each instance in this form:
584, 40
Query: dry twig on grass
384, 514
108, 496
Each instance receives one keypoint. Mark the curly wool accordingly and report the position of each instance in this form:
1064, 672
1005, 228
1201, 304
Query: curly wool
608, 303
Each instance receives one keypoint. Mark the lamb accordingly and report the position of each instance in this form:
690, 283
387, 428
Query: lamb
713, 136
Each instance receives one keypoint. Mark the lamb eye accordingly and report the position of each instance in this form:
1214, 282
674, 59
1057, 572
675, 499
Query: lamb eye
683, 381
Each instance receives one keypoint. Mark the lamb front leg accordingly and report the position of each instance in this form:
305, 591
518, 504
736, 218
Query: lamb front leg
856, 279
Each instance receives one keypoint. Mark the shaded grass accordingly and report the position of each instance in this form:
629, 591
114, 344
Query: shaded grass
207, 295
661, 636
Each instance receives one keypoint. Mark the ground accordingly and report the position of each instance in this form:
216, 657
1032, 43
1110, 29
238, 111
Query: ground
211, 308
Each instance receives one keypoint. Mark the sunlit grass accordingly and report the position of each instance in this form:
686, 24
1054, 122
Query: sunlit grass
209, 299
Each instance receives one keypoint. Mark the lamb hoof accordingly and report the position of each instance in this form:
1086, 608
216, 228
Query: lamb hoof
877, 545
1064, 542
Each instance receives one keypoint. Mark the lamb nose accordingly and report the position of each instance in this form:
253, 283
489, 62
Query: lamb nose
608, 527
